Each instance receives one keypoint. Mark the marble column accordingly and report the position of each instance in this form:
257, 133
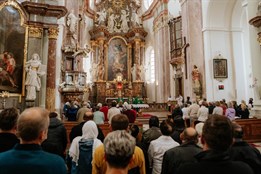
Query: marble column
51, 73
162, 65
101, 67
137, 59
137, 51
129, 61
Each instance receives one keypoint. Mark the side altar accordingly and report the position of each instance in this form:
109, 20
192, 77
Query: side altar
118, 44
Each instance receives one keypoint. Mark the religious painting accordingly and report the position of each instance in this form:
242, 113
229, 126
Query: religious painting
117, 59
12, 46
220, 68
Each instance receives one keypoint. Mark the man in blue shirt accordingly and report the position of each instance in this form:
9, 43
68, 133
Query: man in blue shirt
28, 156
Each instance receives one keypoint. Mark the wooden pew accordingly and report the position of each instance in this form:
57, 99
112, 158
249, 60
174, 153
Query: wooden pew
251, 128
104, 127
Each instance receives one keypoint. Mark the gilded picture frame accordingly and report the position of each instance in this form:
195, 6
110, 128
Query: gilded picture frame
13, 48
220, 68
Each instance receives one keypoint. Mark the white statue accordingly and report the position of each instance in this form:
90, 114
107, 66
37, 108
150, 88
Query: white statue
135, 18
33, 81
72, 22
133, 72
111, 23
102, 16
124, 21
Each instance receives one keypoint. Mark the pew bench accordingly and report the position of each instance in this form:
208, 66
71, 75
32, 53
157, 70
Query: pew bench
251, 128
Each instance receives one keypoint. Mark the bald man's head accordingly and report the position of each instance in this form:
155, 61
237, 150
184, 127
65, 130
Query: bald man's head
88, 116
189, 135
32, 122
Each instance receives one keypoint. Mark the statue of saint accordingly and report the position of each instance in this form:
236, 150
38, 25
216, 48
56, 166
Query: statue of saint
111, 21
124, 21
133, 72
102, 16
33, 81
72, 22
196, 80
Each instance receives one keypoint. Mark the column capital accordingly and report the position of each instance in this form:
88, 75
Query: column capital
35, 32
53, 32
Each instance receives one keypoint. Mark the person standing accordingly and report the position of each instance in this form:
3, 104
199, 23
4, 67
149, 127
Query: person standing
8, 120
159, 146
242, 151
118, 122
118, 153
113, 110
56, 141
217, 137
82, 149
28, 156
175, 157
203, 112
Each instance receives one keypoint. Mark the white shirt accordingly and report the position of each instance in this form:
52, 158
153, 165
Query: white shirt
185, 112
218, 110
203, 113
111, 112
156, 151
193, 110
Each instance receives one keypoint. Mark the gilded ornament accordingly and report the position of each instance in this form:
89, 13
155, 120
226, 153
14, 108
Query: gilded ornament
35, 32
53, 33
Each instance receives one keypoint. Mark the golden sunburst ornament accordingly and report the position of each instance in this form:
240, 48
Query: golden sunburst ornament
118, 4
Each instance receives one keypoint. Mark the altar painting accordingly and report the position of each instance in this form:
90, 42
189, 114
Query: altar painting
117, 59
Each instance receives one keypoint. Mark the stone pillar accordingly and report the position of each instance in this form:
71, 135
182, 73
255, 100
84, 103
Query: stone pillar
101, 67
129, 61
51, 73
191, 12
162, 69
137, 51
137, 59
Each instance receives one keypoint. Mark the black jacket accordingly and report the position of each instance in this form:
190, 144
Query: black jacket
215, 163
56, 141
176, 156
7, 141
242, 151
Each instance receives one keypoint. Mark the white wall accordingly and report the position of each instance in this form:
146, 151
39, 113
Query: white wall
174, 8
226, 31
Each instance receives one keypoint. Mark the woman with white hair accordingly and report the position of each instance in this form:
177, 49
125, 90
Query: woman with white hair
83, 147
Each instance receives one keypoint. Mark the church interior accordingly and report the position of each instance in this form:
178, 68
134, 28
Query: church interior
147, 52
154, 56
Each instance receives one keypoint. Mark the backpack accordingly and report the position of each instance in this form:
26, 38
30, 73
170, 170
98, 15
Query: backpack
85, 157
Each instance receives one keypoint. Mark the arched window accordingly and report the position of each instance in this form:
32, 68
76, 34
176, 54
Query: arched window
147, 3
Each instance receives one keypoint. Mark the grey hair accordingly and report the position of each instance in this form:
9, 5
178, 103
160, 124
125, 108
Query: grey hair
119, 147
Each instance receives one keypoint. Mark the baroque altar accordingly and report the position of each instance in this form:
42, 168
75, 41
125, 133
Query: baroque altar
118, 44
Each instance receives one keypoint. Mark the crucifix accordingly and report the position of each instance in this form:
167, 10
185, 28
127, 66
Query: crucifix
184, 55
